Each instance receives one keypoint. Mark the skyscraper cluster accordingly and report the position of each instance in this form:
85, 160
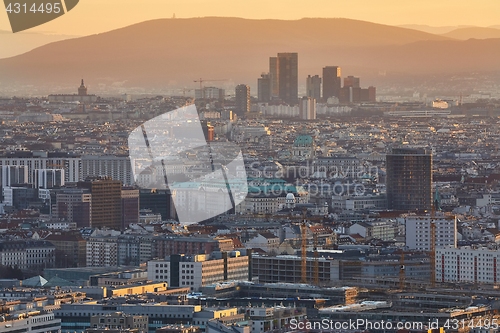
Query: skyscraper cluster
280, 84
282, 80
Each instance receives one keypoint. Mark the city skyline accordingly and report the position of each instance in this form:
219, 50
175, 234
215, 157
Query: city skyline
390, 12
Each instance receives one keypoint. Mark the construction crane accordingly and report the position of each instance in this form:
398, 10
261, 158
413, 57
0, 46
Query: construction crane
206, 80
303, 266
433, 254
316, 262
402, 273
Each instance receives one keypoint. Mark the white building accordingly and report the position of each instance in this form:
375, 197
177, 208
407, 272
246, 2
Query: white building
48, 178
384, 230
466, 264
307, 108
43, 160
199, 270
418, 231
116, 167
13, 175
27, 254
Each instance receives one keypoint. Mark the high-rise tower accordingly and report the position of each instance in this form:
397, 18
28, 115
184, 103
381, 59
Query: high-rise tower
409, 179
332, 82
106, 201
242, 100
288, 77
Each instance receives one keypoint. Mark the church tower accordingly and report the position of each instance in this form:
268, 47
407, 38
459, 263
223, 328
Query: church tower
82, 90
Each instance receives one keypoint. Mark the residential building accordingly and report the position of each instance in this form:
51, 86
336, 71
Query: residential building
307, 106
242, 100
33, 255
13, 175
48, 178
313, 87
265, 241
70, 249
102, 252
114, 167
44, 160
418, 231
467, 265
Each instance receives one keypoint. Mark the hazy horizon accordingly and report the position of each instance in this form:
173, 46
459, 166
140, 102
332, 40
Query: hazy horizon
93, 16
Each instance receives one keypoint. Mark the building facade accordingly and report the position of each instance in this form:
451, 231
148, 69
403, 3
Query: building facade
409, 179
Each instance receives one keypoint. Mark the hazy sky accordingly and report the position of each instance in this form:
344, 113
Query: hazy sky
94, 16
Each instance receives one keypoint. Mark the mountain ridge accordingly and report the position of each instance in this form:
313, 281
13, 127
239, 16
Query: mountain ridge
174, 52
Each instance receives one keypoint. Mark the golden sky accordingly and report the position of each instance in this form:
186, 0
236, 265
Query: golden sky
94, 16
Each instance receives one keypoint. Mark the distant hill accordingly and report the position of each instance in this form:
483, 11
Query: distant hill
434, 30
170, 52
473, 32
14, 44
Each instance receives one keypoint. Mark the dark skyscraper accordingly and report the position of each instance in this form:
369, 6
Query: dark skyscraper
409, 179
242, 100
332, 82
274, 77
313, 87
264, 88
288, 77
106, 201
351, 81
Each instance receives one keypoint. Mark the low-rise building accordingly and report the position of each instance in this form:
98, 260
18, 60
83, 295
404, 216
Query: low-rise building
199, 270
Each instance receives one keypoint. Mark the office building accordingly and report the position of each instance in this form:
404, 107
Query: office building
332, 82
313, 87
409, 179
48, 178
130, 206
274, 77
74, 206
307, 108
106, 201
201, 270
418, 231
159, 201
288, 77
288, 269
264, 88
242, 100
351, 81
119, 322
